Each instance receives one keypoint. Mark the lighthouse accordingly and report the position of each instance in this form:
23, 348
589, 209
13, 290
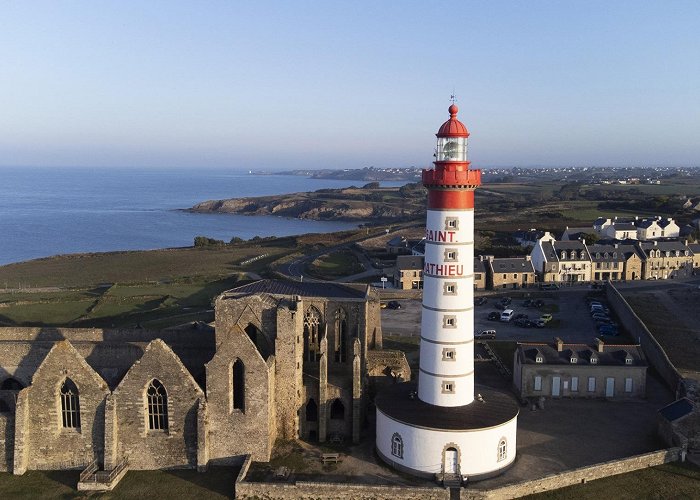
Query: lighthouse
446, 425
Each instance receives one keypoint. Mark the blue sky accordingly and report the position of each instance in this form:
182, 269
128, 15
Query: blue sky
275, 85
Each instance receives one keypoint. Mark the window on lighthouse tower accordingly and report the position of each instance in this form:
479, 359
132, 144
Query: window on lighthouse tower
452, 149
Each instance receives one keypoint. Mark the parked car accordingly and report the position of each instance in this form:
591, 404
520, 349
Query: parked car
494, 316
549, 286
520, 316
522, 322
507, 315
393, 304
527, 303
597, 316
480, 301
546, 317
540, 323
608, 330
538, 303
485, 334
599, 322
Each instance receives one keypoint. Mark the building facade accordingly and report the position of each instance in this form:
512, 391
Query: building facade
579, 371
285, 361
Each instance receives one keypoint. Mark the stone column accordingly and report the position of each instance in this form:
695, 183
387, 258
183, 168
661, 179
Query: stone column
323, 390
356, 391
21, 453
111, 433
202, 436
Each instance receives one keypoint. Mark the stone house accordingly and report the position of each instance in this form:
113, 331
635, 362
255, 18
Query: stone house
579, 371
608, 262
285, 361
480, 273
561, 261
510, 273
622, 231
398, 245
665, 259
408, 273
695, 250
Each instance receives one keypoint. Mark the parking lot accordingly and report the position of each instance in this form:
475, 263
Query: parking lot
571, 320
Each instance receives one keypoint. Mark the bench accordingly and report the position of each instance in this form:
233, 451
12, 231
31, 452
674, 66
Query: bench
282, 472
327, 458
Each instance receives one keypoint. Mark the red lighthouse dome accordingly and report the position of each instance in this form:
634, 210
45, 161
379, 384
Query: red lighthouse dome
453, 127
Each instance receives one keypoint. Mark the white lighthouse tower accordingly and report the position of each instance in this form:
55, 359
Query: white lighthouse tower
441, 427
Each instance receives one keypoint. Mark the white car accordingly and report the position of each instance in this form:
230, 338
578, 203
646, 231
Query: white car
485, 334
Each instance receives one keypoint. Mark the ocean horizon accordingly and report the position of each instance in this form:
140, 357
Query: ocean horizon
46, 211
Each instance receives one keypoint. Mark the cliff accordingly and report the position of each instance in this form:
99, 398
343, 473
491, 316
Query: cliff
350, 204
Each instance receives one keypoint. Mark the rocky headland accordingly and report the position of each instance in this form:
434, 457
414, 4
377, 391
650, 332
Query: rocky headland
366, 204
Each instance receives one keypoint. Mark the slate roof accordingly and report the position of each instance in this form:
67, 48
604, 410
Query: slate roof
645, 223
496, 408
514, 265
408, 262
612, 355
664, 246
548, 251
479, 266
598, 253
625, 226
678, 409
303, 289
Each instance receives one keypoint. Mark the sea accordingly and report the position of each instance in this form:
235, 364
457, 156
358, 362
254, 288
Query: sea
48, 211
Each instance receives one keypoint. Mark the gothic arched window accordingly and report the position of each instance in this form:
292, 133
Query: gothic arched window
337, 410
312, 326
70, 405
157, 406
341, 336
238, 385
397, 445
311, 411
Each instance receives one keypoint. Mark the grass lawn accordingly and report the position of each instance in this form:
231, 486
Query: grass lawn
335, 265
400, 342
504, 350
216, 483
84, 270
674, 480
151, 305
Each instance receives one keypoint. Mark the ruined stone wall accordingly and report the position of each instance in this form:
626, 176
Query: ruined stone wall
7, 441
156, 449
234, 432
288, 375
48, 444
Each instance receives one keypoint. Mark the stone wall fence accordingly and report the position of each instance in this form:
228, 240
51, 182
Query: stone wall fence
578, 476
655, 354
348, 491
335, 491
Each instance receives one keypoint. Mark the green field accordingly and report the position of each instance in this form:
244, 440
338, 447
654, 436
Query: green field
335, 265
674, 480
216, 483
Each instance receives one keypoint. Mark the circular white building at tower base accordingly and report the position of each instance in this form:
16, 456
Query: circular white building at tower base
475, 441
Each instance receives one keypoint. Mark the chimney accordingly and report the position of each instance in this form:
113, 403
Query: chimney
656, 243
636, 217
481, 258
617, 245
560, 344
599, 344
527, 257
